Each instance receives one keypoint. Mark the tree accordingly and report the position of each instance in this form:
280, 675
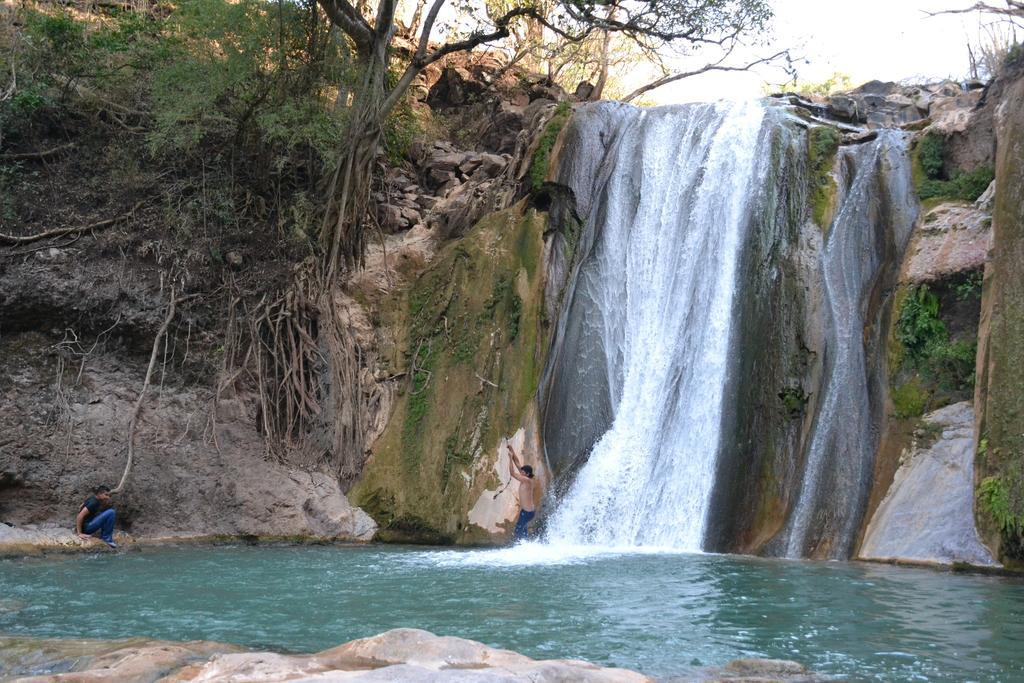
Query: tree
651, 25
296, 333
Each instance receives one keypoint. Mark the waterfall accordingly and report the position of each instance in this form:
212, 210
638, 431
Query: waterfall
872, 225
640, 360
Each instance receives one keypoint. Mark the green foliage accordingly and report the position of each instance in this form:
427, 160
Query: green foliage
793, 400
541, 157
1014, 55
964, 186
928, 345
970, 288
994, 498
919, 323
909, 399
931, 153
837, 82
419, 401
400, 129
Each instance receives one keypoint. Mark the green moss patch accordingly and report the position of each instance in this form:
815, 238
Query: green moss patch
470, 344
542, 156
822, 146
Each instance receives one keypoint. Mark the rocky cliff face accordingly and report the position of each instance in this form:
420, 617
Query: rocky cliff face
999, 397
77, 320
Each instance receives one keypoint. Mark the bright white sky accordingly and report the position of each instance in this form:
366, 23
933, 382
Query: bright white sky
889, 40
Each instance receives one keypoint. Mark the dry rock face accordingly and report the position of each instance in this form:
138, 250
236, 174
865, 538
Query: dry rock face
951, 238
198, 470
881, 105
927, 515
399, 655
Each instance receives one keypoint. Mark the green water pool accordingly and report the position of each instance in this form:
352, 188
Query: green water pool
660, 613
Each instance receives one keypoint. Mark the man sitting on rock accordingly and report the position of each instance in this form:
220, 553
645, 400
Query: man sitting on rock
526, 494
93, 517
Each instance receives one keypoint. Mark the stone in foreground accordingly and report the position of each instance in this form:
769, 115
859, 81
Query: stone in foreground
399, 655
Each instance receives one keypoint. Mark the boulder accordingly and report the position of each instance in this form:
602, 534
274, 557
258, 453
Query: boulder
456, 86
927, 516
32, 539
880, 88
583, 91
951, 238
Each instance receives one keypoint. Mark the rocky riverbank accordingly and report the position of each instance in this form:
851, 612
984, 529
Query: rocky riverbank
396, 655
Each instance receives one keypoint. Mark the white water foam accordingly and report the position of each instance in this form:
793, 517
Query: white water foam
532, 553
673, 201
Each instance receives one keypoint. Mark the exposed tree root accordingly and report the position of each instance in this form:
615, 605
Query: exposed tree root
161, 333
45, 154
61, 232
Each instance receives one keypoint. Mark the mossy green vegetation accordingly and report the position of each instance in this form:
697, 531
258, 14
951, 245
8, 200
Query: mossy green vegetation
928, 345
909, 399
932, 345
994, 497
930, 175
542, 156
472, 348
822, 146
793, 400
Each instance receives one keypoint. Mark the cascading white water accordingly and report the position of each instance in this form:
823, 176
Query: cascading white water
654, 297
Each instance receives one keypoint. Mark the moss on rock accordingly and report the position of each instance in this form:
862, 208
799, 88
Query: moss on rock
471, 345
822, 146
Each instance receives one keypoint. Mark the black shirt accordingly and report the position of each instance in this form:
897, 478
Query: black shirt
93, 506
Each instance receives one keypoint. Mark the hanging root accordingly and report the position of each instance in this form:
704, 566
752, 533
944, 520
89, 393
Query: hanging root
161, 333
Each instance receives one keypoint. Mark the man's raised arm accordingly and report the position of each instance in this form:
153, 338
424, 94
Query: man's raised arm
513, 464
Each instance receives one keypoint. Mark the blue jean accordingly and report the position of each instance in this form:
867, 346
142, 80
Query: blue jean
524, 518
104, 523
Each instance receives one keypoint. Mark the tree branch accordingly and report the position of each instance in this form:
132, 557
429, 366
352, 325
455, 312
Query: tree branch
1014, 8
346, 17
715, 66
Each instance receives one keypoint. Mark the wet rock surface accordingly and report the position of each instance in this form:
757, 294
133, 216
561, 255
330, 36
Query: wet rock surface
927, 516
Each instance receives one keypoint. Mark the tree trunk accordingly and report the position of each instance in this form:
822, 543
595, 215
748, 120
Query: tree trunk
341, 232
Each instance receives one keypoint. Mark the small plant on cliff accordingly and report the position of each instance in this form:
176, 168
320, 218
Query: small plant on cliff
542, 157
920, 330
793, 400
970, 288
919, 322
931, 181
963, 186
931, 152
994, 498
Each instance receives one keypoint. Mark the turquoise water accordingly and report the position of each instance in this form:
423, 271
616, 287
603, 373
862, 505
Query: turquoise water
662, 614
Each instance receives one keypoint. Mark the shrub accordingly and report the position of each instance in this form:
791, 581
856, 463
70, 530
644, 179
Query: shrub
948, 363
964, 186
931, 155
919, 323
994, 499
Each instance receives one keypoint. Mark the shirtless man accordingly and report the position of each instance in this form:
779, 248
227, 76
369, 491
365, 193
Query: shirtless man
526, 494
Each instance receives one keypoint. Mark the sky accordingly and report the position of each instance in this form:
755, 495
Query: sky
869, 39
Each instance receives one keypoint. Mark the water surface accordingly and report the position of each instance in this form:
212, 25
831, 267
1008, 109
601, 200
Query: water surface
660, 613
